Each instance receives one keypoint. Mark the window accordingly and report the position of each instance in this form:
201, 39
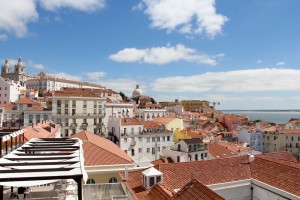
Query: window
73, 131
95, 104
73, 103
58, 120
66, 111
158, 139
95, 121
66, 132
205, 155
201, 156
151, 181
5, 88
58, 103
73, 112
38, 118
158, 149
140, 150
148, 139
125, 139
153, 150
163, 138
84, 104
179, 147
196, 156
148, 150
90, 181
113, 180
178, 159
168, 138
45, 117
132, 152
30, 118
58, 111
66, 103
125, 151
158, 179
153, 139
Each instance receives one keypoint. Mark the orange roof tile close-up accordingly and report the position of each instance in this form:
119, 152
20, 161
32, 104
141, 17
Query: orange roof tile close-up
100, 151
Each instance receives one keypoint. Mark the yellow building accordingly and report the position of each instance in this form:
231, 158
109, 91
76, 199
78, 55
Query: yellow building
194, 105
188, 105
170, 123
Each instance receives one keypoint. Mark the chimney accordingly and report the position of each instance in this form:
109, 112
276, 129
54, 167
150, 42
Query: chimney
126, 173
251, 158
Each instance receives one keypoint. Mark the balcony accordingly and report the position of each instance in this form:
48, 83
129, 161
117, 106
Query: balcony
132, 143
73, 124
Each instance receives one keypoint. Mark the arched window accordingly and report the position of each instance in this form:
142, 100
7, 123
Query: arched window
113, 180
90, 181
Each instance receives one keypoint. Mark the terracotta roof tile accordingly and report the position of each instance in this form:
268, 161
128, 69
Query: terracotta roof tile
151, 124
100, 151
129, 121
26, 100
196, 190
267, 168
163, 119
218, 151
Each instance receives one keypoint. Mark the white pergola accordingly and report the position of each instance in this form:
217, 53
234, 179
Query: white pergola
41, 161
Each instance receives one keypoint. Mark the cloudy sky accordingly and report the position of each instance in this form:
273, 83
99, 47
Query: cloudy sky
243, 54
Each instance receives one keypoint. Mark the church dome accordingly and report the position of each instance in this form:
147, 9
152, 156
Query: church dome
20, 64
137, 92
6, 65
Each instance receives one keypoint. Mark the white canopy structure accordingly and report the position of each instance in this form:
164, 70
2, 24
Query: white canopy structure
42, 161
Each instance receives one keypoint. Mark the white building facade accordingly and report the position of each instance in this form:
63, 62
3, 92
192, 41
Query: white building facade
149, 111
138, 139
187, 150
254, 137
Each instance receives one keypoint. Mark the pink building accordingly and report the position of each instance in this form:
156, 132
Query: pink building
231, 122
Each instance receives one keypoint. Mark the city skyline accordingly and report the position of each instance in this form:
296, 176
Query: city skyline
242, 54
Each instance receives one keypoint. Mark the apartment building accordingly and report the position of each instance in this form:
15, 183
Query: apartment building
139, 139
78, 110
281, 139
42, 81
147, 112
9, 90
252, 136
187, 150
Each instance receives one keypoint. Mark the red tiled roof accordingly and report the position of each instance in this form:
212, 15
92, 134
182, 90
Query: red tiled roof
283, 175
26, 100
267, 168
215, 149
163, 119
100, 151
290, 131
151, 124
129, 121
196, 190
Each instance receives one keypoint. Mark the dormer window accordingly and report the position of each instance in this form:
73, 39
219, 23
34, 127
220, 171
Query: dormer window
151, 177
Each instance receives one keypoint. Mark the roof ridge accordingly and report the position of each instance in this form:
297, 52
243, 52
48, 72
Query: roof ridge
280, 163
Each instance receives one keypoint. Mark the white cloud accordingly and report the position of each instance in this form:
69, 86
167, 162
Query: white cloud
256, 80
3, 37
125, 85
16, 14
66, 76
163, 55
259, 62
39, 66
139, 6
95, 75
81, 5
280, 63
187, 16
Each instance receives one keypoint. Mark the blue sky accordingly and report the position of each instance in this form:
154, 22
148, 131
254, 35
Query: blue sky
243, 54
